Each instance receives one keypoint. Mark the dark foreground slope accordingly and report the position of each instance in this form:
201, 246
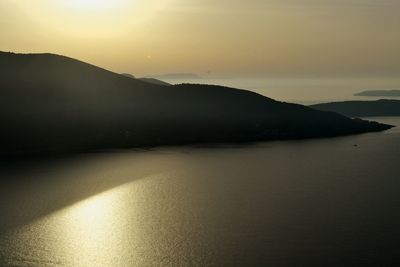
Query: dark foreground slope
363, 108
53, 103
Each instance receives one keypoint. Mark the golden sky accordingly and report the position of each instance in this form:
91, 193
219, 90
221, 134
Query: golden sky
225, 37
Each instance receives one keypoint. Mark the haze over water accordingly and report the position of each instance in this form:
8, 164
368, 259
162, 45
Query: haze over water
306, 91
322, 202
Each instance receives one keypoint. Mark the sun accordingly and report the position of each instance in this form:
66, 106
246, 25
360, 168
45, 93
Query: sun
94, 4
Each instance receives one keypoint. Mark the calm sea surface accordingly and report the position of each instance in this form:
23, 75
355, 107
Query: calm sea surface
321, 202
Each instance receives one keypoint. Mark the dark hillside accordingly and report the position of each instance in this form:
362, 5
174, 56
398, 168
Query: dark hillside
54, 103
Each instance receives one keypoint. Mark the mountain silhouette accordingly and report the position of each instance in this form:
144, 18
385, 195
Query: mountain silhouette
51, 103
380, 93
154, 81
383, 107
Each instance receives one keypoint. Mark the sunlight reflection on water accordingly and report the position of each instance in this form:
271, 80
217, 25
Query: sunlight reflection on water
92, 232
135, 224
90, 227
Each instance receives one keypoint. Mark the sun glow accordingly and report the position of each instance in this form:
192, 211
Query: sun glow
94, 4
89, 19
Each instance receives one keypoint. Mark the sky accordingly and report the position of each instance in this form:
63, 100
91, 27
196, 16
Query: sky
252, 38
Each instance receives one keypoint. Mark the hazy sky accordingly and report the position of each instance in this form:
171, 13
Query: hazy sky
225, 37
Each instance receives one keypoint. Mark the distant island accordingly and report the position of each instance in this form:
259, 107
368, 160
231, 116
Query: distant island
148, 80
380, 93
376, 108
176, 76
128, 75
51, 103
154, 81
